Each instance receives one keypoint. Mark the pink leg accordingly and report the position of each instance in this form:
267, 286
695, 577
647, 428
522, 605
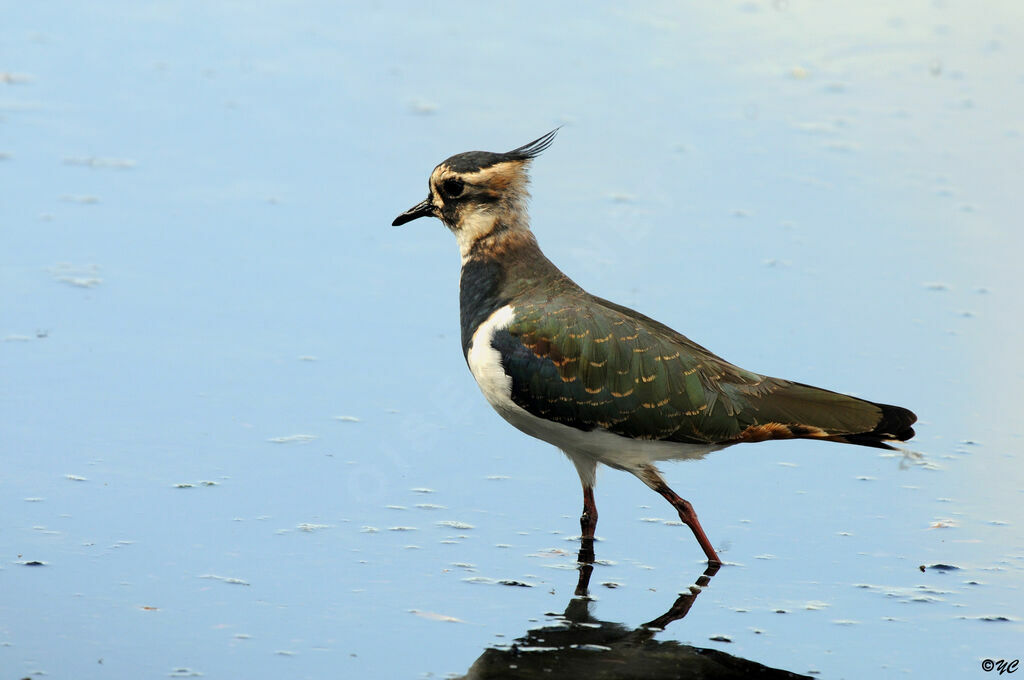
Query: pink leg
588, 520
686, 512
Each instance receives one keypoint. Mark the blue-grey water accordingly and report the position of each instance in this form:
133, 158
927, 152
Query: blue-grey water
238, 437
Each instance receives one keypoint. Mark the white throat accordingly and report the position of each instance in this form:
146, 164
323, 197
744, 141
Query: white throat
473, 228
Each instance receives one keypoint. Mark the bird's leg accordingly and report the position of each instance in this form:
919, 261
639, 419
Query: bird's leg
588, 520
588, 523
653, 479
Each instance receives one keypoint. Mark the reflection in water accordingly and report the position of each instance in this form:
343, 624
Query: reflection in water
579, 646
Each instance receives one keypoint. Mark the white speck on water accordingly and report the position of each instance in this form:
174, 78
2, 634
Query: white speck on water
430, 506
347, 419
422, 489
76, 478
402, 529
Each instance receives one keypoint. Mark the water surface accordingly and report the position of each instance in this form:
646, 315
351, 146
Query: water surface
239, 437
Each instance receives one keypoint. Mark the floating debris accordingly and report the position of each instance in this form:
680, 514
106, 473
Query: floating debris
430, 506
347, 419
943, 524
76, 478
293, 439
81, 199
434, 616
192, 485
422, 107
452, 524
9, 78
184, 673
309, 528
79, 276
422, 489
226, 579
501, 582
94, 162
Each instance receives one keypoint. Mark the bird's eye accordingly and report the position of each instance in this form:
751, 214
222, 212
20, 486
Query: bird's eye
452, 188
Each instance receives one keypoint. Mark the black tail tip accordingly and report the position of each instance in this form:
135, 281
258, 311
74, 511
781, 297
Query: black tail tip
894, 425
896, 422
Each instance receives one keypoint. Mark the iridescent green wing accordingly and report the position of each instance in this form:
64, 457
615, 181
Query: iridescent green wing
592, 364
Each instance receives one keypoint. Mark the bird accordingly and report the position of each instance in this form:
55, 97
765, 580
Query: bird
603, 383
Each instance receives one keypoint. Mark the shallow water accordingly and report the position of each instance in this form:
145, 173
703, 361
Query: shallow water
239, 437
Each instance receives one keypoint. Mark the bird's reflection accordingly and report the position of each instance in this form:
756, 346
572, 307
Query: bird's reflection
581, 646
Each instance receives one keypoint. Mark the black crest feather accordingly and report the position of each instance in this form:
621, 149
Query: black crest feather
471, 161
534, 148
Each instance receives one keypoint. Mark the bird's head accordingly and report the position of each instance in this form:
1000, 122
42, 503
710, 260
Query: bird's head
477, 193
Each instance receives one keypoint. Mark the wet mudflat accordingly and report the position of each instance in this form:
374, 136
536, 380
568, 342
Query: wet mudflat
239, 437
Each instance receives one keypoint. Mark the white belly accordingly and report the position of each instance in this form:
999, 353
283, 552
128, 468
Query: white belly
600, 445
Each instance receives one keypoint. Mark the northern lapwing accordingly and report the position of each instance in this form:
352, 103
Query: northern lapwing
602, 382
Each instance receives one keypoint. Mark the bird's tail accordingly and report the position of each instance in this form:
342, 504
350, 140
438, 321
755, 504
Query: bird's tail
798, 411
895, 425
